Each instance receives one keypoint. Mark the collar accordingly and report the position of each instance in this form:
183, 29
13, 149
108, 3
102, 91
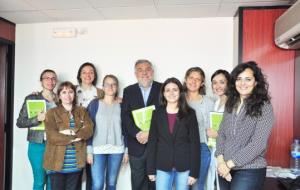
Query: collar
62, 109
150, 86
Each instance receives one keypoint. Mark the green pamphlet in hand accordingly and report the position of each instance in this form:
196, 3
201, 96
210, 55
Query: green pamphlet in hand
142, 117
33, 108
215, 121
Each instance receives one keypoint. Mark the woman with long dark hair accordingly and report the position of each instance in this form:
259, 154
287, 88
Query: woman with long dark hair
245, 130
173, 146
219, 83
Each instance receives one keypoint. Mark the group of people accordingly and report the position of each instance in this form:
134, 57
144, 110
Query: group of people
86, 124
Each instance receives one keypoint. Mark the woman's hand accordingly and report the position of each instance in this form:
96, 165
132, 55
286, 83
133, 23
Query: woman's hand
152, 177
76, 140
191, 180
90, 159
125, 158
68, 132
223, 170
211, 133
228, 177
119, 100
41, 116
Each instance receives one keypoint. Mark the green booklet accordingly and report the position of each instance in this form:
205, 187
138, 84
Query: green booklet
142, 117
215, 121
33, 108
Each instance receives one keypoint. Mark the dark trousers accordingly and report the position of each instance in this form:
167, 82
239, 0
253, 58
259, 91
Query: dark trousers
139, 178
88, 177
66, 181
244, 179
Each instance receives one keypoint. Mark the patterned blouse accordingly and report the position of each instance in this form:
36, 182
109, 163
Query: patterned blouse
244, 139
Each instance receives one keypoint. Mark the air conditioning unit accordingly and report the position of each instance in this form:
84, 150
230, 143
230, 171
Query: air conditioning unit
287, 28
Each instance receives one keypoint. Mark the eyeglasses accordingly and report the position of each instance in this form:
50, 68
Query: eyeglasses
108, 85
49, 78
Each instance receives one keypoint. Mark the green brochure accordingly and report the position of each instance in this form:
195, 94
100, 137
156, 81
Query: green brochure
215, 121
33, 108
142, 117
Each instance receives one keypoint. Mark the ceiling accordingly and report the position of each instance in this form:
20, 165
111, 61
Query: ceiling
32, 11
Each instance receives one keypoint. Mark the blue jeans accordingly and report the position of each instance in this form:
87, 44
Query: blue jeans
204, 165
36, 158
245, 179
212, 175
164, 180
105, 162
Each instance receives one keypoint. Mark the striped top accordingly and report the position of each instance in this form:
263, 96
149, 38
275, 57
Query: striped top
70, 163
244, 139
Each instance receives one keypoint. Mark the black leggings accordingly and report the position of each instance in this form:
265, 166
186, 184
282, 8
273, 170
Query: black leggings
66, 181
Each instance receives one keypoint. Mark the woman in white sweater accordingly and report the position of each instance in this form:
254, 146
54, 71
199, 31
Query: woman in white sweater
219, 81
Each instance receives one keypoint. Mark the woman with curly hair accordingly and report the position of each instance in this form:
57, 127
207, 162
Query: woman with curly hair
245, 130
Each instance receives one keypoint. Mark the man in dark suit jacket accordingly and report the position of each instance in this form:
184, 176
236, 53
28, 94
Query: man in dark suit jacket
136, 96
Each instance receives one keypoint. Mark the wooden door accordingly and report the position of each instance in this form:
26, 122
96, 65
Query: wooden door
7, 50
3, 63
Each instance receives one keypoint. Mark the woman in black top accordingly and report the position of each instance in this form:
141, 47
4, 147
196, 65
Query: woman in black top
173, 140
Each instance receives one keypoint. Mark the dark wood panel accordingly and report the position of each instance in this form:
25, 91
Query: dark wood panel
278, 66
3, 50
297, 96
7, 30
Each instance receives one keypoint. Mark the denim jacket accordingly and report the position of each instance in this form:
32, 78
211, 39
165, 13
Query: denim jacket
36, 136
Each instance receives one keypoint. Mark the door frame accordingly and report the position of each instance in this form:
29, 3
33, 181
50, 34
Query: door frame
8, 126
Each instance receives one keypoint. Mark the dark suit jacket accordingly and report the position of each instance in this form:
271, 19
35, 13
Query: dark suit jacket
179, 150
132, 100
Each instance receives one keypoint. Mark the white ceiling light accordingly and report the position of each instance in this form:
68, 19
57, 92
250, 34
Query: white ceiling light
64, 32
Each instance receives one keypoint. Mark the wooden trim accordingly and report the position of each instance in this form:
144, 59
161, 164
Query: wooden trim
241, 17
265, 7
297, 96
7, 30
9, 128
3, 19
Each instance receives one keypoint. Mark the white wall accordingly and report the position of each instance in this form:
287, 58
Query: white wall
173, 45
